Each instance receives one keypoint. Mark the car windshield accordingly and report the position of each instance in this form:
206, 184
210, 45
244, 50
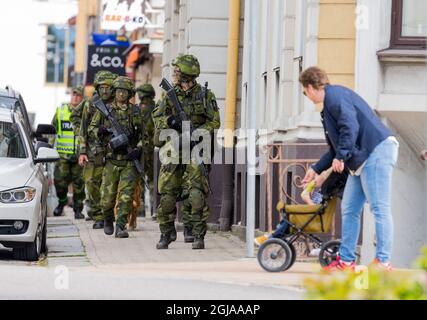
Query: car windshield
8, 103
11, 144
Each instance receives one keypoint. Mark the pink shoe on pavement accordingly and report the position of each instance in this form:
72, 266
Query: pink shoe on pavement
339, 265
377, 264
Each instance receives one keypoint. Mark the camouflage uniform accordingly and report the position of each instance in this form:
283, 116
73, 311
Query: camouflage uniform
92, 172
120, 176
67, 170
146, 96
176, 180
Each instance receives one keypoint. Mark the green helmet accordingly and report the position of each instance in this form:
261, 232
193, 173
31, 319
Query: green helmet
124, 83
104, 77
145, 90
78, 89
188, 65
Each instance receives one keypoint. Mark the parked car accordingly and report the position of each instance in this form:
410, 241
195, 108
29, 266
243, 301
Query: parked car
23, 181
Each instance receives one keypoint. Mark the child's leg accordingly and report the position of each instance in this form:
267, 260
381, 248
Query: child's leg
281, 230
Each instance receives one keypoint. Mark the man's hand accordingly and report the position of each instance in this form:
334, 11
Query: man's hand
310, 175
83, 159
174, 123
338, 166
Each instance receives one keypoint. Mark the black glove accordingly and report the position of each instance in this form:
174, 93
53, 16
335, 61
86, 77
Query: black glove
102, 132
135, 154
174, 123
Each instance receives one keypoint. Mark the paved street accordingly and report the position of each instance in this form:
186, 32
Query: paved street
102, 267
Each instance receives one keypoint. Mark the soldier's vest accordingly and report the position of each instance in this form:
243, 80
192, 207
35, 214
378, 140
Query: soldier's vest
65, 142
195, 106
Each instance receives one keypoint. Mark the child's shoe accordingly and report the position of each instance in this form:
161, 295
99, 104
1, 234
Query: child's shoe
261, 239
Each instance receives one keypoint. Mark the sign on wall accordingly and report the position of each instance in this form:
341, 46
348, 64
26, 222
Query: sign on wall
109, 58
117, 14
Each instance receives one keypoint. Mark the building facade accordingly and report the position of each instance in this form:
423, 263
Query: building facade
346, 38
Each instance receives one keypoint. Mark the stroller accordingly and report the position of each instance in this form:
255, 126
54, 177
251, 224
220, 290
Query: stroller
278, 253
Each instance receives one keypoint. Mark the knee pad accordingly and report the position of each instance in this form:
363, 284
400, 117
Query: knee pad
168, 202
197, 199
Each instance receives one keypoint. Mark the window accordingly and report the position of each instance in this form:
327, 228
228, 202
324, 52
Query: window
11, 145
409, 24
55, 55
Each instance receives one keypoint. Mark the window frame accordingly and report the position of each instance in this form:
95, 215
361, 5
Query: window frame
396, 38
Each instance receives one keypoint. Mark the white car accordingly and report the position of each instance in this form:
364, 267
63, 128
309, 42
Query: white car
23, 186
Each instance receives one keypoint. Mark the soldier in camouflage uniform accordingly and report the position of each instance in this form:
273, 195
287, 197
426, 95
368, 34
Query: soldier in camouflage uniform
146, 96
176, 180
91, 158
120, 175
67, 169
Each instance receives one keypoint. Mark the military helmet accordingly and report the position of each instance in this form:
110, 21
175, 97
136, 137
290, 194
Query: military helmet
78, 89
104, 77
188, 65
124, 83
145, 90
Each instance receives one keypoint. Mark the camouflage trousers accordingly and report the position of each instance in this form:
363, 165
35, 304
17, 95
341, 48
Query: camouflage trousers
92, 175
183, 182
66, 173
118, 184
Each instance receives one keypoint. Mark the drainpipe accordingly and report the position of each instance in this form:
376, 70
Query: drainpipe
230, 113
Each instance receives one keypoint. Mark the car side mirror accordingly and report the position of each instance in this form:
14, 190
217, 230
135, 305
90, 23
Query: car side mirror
42, 144
44, 129
45, 155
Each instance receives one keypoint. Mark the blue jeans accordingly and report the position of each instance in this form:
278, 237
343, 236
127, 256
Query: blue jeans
374, 186
281, 229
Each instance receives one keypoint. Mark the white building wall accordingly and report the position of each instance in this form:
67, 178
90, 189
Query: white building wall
200, 27
398, 92
286, 30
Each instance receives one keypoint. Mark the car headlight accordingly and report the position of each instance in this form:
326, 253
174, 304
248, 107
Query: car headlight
19, 195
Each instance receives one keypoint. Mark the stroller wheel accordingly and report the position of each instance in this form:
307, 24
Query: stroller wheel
328, 252
275, 255
293, 256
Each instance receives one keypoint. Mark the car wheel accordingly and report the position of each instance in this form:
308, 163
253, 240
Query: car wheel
30, 251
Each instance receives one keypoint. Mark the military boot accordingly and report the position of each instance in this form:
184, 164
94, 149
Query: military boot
108, 226
172, 235
78, 215
59, 209
121, 232
188, 234
98, 225
199, 243
164, 242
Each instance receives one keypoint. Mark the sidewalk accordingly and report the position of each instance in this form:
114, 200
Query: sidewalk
224, 259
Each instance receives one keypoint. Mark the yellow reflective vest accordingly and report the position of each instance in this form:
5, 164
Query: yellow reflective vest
66, 141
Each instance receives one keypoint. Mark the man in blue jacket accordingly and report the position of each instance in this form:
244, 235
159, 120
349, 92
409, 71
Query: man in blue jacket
360, 143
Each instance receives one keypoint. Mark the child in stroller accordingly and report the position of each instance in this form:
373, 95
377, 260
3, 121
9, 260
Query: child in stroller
277, 252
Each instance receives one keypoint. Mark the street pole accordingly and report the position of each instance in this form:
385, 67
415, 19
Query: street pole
251, 133
56, 62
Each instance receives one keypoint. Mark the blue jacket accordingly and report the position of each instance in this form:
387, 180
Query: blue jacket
352, 129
